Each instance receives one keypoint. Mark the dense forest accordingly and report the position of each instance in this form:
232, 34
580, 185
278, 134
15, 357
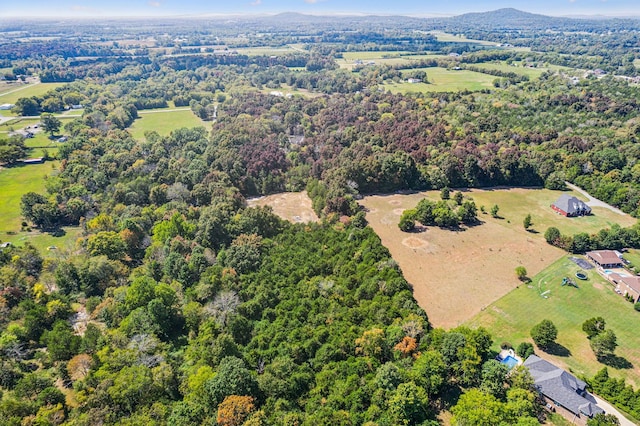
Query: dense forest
181, 305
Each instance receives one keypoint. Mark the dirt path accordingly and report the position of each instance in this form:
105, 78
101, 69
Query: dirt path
594, 202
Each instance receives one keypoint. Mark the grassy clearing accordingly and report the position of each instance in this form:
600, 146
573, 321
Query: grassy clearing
292, 206
636, 62
15, 182
45, 242
519, 68
11, 96
444, 80
164, 122
489, 252
373, 55
512, 317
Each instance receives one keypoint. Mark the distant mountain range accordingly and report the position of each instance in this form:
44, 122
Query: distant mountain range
500, 19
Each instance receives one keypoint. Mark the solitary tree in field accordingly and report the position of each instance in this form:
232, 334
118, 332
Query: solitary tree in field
544, 334
521, 272
50, 123
445, 193
527, 221
593, 326
604, 344
494, 210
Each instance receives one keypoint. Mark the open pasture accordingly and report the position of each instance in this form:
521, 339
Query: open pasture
444, 80
11, 95
164, 121
15, 182
350, 59
512, 317
292, 206
518, 68
456, 274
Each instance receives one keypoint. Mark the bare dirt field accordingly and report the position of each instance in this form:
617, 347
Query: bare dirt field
292, 206
456, 274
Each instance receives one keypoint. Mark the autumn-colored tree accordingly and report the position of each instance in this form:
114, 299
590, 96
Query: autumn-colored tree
234, 410
372, 343
79, 366
406, 346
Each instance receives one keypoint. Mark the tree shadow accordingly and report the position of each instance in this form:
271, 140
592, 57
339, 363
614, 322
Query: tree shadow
532, 231
557, 349
615, 361
449, 396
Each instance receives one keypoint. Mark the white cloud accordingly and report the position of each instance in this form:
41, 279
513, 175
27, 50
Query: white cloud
256, 3
154, 3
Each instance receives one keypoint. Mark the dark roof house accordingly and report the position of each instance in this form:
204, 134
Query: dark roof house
605, 258
570, 206
563, 388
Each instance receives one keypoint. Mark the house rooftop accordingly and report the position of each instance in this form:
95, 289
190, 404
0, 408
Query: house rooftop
571, 204
560, 386
604, 257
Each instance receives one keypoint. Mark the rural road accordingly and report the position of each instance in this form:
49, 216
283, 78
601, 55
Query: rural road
19, 88
594, 202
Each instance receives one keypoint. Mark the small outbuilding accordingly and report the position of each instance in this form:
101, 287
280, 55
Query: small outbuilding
570, 206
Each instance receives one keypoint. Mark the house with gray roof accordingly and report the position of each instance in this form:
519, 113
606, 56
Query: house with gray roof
570, 206
562, 389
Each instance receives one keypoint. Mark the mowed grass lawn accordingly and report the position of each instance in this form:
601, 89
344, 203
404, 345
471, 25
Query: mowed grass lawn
515, 203
444, 80
164, 122
11, 95
512, 317
15, 182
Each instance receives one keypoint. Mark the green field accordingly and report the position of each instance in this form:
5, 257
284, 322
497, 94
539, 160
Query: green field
512, 317
444, 80
636, 62
382, 58
518, 69
16, 181
516, 203
12, 95
164, 121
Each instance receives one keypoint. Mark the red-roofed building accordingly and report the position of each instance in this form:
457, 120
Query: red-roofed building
605, 258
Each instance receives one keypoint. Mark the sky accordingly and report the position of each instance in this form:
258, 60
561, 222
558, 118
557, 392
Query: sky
132, 8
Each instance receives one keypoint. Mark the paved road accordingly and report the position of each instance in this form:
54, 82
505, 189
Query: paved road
609, 409
594, 202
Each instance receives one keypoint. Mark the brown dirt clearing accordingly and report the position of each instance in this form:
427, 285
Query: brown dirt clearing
295, 207
456, 274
